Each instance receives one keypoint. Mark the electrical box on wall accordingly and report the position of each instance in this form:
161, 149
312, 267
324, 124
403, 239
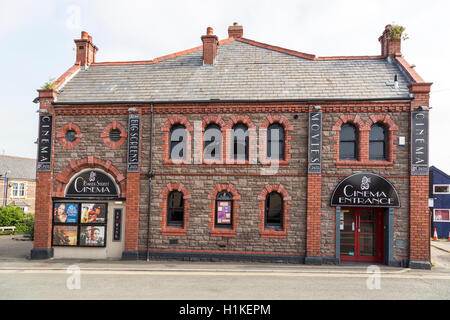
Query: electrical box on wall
401, 141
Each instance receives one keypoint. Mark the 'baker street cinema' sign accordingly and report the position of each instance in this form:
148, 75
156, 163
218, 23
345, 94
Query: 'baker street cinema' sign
419, 143
365, 190
92, 184
44, 143
315, 143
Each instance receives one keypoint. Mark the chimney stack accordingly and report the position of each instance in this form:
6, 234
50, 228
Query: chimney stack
86, 50
235, 31
210, 44
389, 47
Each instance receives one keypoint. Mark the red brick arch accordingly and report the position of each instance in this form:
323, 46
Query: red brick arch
75, 166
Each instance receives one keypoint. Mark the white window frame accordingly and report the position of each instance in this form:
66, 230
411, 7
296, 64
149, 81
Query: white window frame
441, 185
434, 219
15, 192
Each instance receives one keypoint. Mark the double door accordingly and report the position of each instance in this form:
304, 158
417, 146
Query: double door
361, 231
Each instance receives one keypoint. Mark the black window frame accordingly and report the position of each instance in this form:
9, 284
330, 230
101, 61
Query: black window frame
235, 142
267, 224
281, 142
224, 196
173, 143
170, 210
372, 141
218, 155
345, 141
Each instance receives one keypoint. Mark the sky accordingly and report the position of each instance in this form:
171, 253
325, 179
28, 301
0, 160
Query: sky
37, 44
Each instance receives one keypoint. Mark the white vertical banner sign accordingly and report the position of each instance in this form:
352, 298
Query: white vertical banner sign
315, 143
419, 143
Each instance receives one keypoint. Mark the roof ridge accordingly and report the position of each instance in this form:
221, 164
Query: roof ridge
161, 58
440, 171
349, 58
278, 49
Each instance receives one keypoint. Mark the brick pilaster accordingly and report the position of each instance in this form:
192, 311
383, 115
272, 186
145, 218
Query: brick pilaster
132, 212
133, 183
313, 208
419, 219
42, 248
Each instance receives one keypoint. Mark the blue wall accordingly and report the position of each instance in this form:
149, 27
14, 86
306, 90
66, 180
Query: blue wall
441, 201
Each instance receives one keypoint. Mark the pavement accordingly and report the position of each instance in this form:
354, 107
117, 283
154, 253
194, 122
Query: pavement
15, 251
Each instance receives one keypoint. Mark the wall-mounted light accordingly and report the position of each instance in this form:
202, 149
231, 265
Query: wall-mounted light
317, 108
422, 108
42, 110
132, 110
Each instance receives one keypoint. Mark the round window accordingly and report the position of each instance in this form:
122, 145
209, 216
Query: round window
114, 135
71, 135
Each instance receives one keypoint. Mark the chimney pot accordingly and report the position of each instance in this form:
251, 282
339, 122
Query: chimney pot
209, 31
84, 35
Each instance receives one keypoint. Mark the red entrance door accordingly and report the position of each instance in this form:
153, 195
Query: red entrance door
362, 234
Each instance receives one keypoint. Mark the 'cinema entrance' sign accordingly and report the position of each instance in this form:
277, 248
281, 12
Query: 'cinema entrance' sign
365, 190
92, 184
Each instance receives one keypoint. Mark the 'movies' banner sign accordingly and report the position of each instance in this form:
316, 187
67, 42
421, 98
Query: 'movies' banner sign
419, 143
134, 122
315, 143
45, 143
92, 184
365, 190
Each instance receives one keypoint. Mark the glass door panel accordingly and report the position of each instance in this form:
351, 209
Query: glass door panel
361, 235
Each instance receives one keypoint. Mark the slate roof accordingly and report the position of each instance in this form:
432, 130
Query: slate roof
20, 168
242, 71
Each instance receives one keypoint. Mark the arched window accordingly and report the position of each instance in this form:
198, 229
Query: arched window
274, 210
175, 209
275, 142
377, 142
240, 142
212, 143
224, 210
348, 142
177, 142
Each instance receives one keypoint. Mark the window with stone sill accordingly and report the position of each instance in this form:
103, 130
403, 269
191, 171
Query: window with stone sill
274, 212
18, 190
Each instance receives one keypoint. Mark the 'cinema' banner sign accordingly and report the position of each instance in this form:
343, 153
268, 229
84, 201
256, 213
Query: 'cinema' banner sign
45, 143
365, 190
315, 143
419, 143
134, 122
92, 184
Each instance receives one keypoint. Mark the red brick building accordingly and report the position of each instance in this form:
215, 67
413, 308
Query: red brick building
236, 149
